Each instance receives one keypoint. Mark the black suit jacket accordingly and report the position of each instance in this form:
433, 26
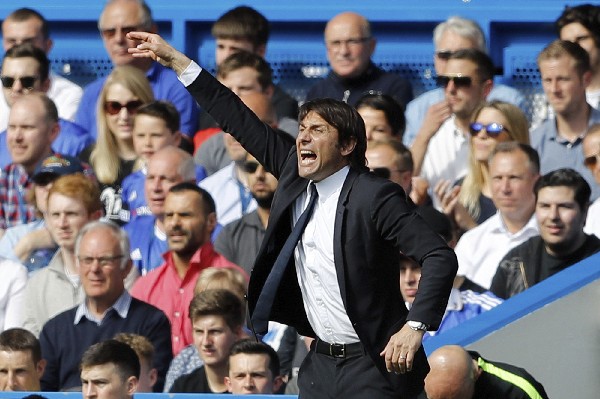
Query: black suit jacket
373, 223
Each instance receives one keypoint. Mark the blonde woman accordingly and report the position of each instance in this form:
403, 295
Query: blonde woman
112, 156
469, 201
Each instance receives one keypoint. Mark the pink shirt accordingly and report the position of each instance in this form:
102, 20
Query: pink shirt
163, 288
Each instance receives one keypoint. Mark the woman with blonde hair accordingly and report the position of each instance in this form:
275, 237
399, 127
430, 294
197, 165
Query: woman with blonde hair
469, 202
112, 156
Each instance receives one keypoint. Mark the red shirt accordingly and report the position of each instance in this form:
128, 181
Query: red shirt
163, 288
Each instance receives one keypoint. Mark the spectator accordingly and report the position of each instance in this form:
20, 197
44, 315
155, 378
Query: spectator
166, 168
391, 160
20, 361
469, 202
456, 33
440, 150
383, 116
350, 45
217, 319
117, 19
109, 370
73, 201
565, 71
113, 156
145, 352
562, 198
514, 169
253, 369
26, 25
591, 153
458, 374
101, 249
189, 221
25, 70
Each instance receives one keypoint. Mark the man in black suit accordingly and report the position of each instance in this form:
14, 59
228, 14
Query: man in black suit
344, 287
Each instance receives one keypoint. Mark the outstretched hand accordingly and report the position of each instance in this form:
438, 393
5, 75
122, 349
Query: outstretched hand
153, 46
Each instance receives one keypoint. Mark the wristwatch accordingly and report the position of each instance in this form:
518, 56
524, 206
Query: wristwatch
417, 325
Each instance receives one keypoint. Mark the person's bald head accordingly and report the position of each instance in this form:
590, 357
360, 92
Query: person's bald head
452, 374
349, 44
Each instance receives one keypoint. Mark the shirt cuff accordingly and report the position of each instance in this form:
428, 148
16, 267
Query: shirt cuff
190, 74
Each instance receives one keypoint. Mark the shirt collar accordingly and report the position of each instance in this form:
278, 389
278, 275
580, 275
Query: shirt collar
331, 184
500, 226
121, 307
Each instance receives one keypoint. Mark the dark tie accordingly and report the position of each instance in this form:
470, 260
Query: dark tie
262, 311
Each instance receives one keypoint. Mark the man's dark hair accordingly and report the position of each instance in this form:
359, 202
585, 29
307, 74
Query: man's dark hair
164, 110
564, 48
19, 339
112, 351
28, 50
25, 14
253, 347
393, 111
242, 23
348, 123
208, 203
513, 146
485, 65
566, 177
588, 15
244, 59
218, 302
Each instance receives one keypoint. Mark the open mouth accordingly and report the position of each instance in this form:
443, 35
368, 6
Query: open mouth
307, 157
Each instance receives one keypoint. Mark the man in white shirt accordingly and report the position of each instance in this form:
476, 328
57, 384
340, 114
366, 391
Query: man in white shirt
28, 26
514, 169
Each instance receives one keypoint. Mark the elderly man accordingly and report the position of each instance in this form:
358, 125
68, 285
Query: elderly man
350, 45
102, 251
118, 18
345, 292
21, 363
29, 26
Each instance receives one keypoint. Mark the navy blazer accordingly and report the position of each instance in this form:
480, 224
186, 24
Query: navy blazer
373, 224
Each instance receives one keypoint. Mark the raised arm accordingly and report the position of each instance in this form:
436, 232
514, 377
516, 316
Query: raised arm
153, 46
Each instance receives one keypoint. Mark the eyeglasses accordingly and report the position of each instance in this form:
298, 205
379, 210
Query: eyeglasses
111, 32
492, 129
114, 107
591, 161
353, 42
458, 80
103, 261
250, 166
444, 54
27, 82
385, 172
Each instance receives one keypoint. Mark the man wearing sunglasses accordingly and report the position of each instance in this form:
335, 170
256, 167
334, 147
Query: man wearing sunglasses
29, 26
454, 34
565, 70
25, 70
117, 19
440, 152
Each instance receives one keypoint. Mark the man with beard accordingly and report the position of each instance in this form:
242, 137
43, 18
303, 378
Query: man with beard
189, 219
240, 240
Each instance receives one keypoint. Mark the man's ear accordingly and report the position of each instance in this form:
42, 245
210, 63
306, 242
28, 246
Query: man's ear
40, 367
228, 384
153, 377
46, 85
277, 383
347, 147
261, 50
132, 385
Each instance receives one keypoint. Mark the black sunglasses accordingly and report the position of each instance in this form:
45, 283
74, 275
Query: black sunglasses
114, 107
458, 80
385, 172
27, 82
444, 54
251, 166
492, 129
591, 161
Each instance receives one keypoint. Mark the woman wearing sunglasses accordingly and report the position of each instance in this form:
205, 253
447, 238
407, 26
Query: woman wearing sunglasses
113, 156
469, 201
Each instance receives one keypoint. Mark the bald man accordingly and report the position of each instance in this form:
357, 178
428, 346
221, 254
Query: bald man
459, 374
350, 45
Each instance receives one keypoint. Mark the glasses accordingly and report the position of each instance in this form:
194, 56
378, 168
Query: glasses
591, 161
458, 80
111, 32
385, 172
444, 54
353, 42
251, 166
103, 261
492, 129
27, 82
114, 107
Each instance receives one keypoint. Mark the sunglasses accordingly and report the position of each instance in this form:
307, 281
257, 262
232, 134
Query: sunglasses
458, 80
251, 166
591, 161
114, 107
111, 32
444, 54
492, 129
385, 172
27, 82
